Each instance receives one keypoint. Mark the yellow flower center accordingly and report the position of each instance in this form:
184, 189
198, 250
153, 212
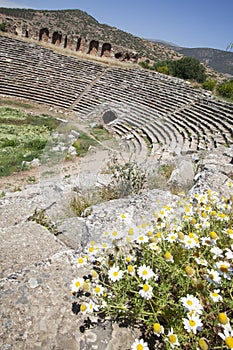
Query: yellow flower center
97, 289
224, 268
222, 317
83, 307
181, 236
172, 338
202, 344
144, 272
213, 235
140, 347
130, 231
146, 287
215, 294
189, 302
192, 323
94, 274
130, 268
168, 256
115, 273
85, 286
80, 260
150, 233
157, 328
114, 233
91, 249
229, 342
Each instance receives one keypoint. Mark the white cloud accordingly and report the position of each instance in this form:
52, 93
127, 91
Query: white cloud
12, 4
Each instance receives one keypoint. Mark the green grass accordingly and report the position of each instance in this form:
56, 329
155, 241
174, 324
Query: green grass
22, 138
83, 143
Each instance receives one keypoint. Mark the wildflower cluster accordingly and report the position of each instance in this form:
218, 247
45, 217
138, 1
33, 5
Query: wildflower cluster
173, 280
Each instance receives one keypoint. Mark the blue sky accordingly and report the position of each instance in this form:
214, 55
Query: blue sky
188, 23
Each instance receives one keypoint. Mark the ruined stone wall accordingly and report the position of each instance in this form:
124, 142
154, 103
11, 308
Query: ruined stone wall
24, 28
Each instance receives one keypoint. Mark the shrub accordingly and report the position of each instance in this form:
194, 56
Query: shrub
209, 85
226, 89
128, 178
188, 68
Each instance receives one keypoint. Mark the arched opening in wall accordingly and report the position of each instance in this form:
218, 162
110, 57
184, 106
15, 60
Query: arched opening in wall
93, 47
118, 55
44, 34
106, 49
65, 42
109, 116
56, 38
78, 44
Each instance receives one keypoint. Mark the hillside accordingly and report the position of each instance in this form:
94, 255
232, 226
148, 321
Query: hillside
219, 60
76, 23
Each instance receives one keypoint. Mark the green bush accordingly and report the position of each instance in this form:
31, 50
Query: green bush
226, 89
188, 68
209, 85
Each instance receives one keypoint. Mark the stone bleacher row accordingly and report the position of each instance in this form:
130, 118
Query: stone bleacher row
154, 110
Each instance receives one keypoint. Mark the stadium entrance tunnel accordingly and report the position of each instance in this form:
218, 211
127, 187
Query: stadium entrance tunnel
109, 116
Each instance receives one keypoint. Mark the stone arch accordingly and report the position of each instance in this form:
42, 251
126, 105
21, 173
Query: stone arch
56, 38
93, 47
106, 49
44, 34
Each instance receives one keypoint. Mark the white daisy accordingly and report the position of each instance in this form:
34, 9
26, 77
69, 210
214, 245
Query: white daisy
153, 246
172, 237
227, 336
145, 272
142, 239
146, 291
224, 268
158, 329
218, 253
215, 296
213, 276
98, 290
228, 232
139, 344
193, 323
191, 303
115, 274
189, 242
172, 339
91, 307
82, 261
76, 284
229, 253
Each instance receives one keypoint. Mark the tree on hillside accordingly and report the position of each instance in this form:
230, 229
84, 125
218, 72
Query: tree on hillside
189, 68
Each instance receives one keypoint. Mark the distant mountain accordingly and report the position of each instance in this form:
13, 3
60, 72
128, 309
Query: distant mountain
219, 60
